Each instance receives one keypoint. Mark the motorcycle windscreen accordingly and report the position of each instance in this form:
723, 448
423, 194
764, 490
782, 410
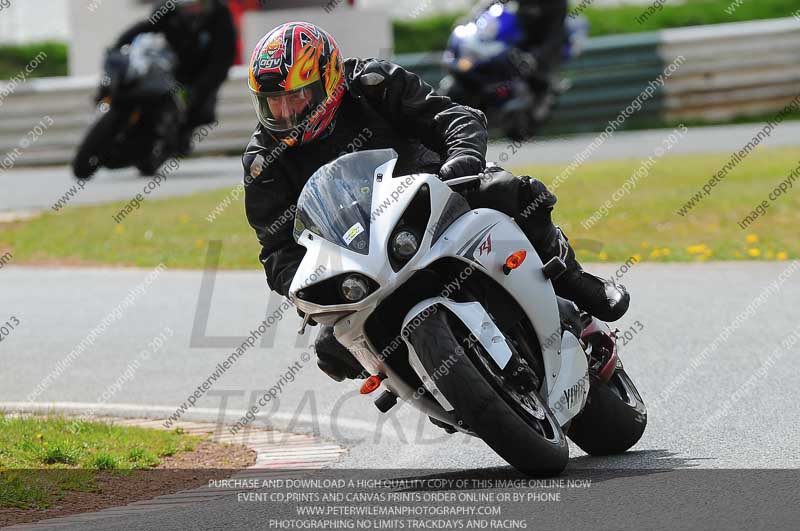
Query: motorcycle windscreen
336, 202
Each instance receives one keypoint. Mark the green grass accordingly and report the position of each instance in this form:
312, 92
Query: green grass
625, 18
41, 458
425, 34
645, 223
431, 34
174, 231
14, 59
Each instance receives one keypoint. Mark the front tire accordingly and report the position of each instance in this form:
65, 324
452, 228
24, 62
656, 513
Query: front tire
613, 419
533, 446
95, 147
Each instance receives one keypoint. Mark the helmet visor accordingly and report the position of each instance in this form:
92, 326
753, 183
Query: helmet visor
283, 111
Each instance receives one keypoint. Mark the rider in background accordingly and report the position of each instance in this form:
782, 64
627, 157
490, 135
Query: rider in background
311, 105
543, 23
203, 36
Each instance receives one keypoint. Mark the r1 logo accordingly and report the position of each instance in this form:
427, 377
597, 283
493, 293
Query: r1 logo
486, 246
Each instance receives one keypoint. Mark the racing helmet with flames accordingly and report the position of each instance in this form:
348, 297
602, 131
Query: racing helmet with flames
297, 82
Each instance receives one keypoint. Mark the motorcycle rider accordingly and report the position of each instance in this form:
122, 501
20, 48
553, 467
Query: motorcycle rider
311, 104
203, 36
543, 22
543, 26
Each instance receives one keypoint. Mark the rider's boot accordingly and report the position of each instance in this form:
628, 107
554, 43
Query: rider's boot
604, 299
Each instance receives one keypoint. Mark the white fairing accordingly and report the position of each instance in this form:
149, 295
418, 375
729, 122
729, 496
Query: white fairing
483, 238
568, 394
481, 50
148, 50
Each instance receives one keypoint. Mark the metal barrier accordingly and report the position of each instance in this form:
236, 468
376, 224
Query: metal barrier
729, 70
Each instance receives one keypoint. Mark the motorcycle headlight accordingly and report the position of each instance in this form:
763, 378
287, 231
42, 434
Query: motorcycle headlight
465, 30
405, 245
354, 288
464, 64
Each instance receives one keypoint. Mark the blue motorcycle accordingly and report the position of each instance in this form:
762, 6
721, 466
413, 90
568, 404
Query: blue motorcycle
487, 70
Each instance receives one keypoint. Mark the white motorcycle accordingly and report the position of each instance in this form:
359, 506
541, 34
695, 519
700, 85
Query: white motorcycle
452, 310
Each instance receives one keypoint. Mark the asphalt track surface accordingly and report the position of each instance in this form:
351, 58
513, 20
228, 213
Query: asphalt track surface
683, 309
700, 464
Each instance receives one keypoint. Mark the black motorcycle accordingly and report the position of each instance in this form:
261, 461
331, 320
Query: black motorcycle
140, 108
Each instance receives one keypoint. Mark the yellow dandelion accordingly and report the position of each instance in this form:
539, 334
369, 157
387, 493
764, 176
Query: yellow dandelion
119, 229
783, 255
39, 436
637, 258
199, 243
655, 253
754, 252
603, 256
665, 251
697, 249
751, 238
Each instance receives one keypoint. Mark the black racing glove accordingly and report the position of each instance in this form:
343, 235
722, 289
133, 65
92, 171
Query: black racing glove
462, 166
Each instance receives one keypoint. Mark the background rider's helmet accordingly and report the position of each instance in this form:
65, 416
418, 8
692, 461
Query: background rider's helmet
191, 15
297, 82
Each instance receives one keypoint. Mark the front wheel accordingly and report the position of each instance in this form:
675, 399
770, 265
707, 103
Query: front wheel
613, 419
94, 149
516, 424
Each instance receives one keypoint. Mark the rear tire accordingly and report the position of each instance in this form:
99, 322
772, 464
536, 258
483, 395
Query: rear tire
479, 403
613, 419
96, 146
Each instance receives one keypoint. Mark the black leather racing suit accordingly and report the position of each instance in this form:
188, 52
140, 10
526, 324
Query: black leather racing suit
393, 108
543, 22
205, 53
